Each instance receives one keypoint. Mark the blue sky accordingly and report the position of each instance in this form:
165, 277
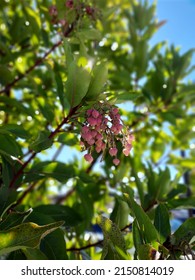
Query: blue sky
180, 27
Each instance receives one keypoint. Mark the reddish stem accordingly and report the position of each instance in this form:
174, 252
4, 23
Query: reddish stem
37, 62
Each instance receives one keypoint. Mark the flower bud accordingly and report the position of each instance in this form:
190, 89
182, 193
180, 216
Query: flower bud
89, 158
116, 161
113, 151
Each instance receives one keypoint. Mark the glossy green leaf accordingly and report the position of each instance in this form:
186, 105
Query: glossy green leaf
60, 213
13, 219
90, 34
5, 75
54, 246
138, 239
42, 142
34, 254
120, 213
50, 169
182, 203
16, 130
68, 53
98, 79
147, 252
11, 167
145, 225
161, 222
77, 84
185, 232
14, 106
59, 84
162, 184
27, 235
9, 145
85, 206
113, 238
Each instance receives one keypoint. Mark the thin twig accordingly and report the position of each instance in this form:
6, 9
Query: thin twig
37, 62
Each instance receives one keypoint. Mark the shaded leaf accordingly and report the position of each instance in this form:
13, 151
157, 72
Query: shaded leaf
120, 213
161, 222
42, 142
34, 254
16, 130
145, 225
9, 145
184, 233
13, 219
54, 246
54, 169
60, 213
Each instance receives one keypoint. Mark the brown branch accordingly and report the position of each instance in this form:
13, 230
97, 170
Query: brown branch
37, 62
20, 171
33, 154
24, 194
98, 243
66, 33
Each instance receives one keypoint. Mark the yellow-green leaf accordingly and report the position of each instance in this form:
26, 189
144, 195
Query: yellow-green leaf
27, 235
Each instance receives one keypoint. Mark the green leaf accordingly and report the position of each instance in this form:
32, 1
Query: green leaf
182, 203
9, 145
89, 34
14, 219
42, 142
147, 252
14, 106
161, 222
5, 74
60, 213
34, 20
137, 235
162, 184
10, 167
77, 84
27, 235
46, 109
34, 254
54, 246
120, 213
60, 86
85, 206
113, 238
68, 53
16, 130
185, 232
98, 79
145, 225
50, 169
121, 97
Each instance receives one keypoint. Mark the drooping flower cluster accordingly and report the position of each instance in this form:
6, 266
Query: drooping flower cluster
101, 131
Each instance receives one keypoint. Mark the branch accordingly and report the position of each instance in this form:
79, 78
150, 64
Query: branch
98, 243
33, 154
37, 62
66, 33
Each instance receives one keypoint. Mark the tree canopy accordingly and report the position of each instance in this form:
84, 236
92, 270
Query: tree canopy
97, 133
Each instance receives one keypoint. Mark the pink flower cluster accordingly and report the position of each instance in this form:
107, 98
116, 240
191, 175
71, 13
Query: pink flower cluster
101, 130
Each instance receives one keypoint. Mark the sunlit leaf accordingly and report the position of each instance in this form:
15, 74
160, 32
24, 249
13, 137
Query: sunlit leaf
27, 235
77, 84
